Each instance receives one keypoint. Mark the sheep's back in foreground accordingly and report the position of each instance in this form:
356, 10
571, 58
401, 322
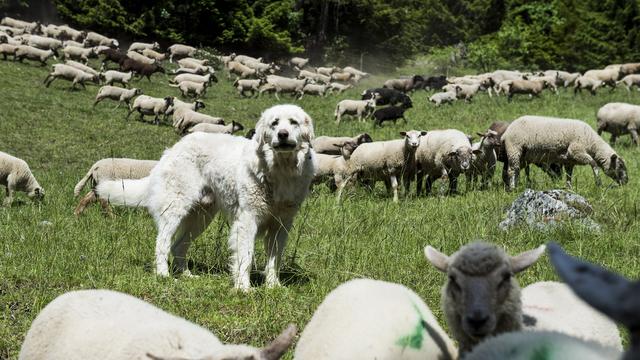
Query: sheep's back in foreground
370, 319
108, 325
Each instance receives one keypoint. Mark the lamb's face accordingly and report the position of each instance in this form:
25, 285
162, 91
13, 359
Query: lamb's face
412, 138
285, 128
461, 158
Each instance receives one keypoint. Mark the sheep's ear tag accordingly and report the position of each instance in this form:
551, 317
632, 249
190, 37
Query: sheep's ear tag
524, 260
436, 258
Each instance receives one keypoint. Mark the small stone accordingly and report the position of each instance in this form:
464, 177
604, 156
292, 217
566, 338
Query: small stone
45, 223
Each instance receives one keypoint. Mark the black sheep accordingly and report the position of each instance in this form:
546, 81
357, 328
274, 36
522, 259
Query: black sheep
388, 97
389, 113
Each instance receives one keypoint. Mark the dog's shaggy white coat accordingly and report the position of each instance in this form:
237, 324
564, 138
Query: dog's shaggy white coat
258, 184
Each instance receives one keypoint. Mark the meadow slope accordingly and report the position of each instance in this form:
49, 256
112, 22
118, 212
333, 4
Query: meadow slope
60, 135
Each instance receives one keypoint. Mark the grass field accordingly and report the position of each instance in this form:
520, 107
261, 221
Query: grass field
59, 134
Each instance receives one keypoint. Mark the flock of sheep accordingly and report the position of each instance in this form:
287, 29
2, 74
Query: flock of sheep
361, 318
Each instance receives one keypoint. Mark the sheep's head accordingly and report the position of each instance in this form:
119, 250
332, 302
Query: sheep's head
137, 91
364, 138
459, 158
617, 169
347, 148
412, 138
481, 297
235, 126
36, 194
168, 101
489, 138
199, 105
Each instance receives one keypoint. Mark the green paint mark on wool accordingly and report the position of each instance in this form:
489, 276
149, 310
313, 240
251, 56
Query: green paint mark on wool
415, 338
542, 353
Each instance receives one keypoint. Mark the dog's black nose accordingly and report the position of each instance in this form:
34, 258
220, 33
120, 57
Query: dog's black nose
283, 134
477, 321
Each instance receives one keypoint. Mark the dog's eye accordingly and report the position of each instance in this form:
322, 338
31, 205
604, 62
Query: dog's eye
293, 122
275, 122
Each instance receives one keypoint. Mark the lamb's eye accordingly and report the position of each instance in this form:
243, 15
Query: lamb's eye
293, 122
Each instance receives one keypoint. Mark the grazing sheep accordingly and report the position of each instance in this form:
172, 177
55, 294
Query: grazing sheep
484, 161
404, 85
15, 175
527, 87
442, 154
150, 53
82, 67
443, 98
547, 140
95, 39
108, 325
109, 169
282, 84
147, 105
179, 51
315, 89
298, 63
333, 168
607, 76
389, 161
252, 85
70, 73
31, 53
113, 76
629, 81
389, 113
190, 87
340, 88
140, 58
140, 68
184, 118
371, 319
118, 94
332, 145
140, 46
386, 96
242, 71
231, 128
207, 79
360, 108
619, 119
78, 53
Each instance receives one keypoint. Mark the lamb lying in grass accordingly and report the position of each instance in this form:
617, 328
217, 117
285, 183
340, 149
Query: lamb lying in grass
15, 175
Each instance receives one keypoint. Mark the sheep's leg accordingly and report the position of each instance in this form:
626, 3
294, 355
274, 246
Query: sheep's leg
9, 191
131, 110
527, 174
419, 178
277, 97
241, 242
89, 198
513, 171
346, 180
634, 136
453, 184
45, 79
274, 243
428, 184
394, 186
106, 209
97, 101
569, 169
53, 78
580, 156
613, 139
190, 228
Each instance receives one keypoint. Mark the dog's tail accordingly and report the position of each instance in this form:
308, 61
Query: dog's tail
131, 193
82, 182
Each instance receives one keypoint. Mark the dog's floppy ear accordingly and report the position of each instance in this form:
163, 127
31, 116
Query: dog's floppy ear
261, 127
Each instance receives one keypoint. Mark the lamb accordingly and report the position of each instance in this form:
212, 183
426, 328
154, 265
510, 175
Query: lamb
262, 67
231, 128
31, 53
305, 74
140, 68
629, 81
568, 78
386, 96
404, 85
147, 105
333, 168
113, 55
607, 76
584, 82
332, 145
150, 53
327, 71
252, 85
242, 71
73, 33
45, 43
385, 160
315, 89
619, 119
78, 53
340, 88
70, 73
562, 141
179, 51
527, 87
179, 104
357, 74
360, 108
20, 24
109, 169
442, 154
140, 46
282, 84
118, 94
207, 79
109, 325
95, 39
140, 58
192, 62
7, 49
186, 118
484, 161
372, 319
246, 58
16, 175
199, 71
389, 113
54, 31
443, 98
631, 68
466, 92
341, 76
191, 87
82, 67
298, 63
113, 76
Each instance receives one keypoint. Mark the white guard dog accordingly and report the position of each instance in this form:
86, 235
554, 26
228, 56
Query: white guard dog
258, 184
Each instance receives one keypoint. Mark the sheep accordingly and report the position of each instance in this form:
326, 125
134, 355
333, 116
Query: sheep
305, 74
404, 85
118, 94
95, 39
262, 67
140, 46
11, 31
332, 145
332, 168
78, 53
140, 68
45, 43
629, 81
206, 79
327, 71
443, 98
16, 175
315, 89
4, 38
607, 76
150, 53
7, 49
282, 84
588, 83
191, 87
217, 129
140, 58
54, 31
31, 53
389, 113
566, 78
619, 119
185, 62
360, 108
246, 58
147, 105
252, 85
70, 73
385, 160
109, 169
341, 76
442, 154
82, 67
177, 104
298, 63
186, 118
631, 68
466, 92
113, 76
30, 27
242, 71
372, 319
198, 71
529, 87
357, 74
563, 141
484, 161
384, 96
340, 88
179, 51
74, 34
109, 325
113, 55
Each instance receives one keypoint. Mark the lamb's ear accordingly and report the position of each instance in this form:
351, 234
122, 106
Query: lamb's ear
403, 133
279, 346
436, 258
524, 260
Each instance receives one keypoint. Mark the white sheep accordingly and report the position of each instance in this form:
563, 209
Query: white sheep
44, 43
95, 39
8, 49
390, 161
16, 175
20, 24
327, 71
69, 73
331, 145
306, 74
179, 51
588, 83
75, 35
246, 58
184, 119
440, 98
282, 84
78, 53
315, 89
179, 104
185, 62
191, 87
340, 88
360, 108
113, 76
333, 168
199, 71
230, 128
607, 76
619, 119
208, 79
252, 85
31, 53
83, 67
147, 105
467, 92
140, 58
150, 53
630, 81
484, 161
140, 46
298, 63
109, 169
529, 87
108, 325
241, 70
547, 140
118, 94
371, 319
357, 74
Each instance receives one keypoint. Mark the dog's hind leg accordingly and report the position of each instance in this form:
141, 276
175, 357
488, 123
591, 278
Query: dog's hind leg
274, 242
241, 243
167, 227
190, 228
